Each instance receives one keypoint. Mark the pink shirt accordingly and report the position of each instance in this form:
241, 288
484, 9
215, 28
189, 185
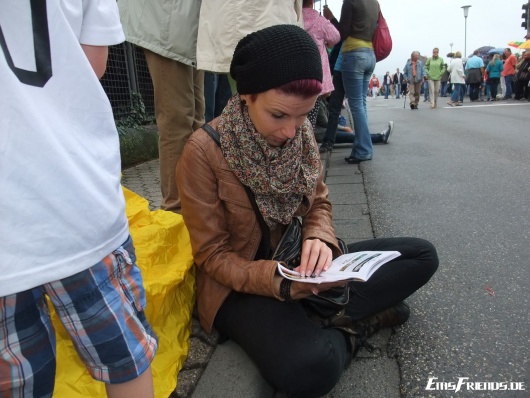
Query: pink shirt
323, 33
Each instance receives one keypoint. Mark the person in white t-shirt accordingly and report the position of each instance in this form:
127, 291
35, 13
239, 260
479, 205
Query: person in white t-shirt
63, 229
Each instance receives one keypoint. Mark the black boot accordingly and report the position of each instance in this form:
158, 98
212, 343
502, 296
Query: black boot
393, 316
356, 336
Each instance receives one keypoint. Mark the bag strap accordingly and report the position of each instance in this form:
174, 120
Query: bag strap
264, 249
264, 245
212, 133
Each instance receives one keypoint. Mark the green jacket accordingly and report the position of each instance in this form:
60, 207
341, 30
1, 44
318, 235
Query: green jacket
166, 27
435, 68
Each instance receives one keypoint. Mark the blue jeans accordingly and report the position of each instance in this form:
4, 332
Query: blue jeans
217, 92
487, 90
443, 89
387, 90
457, 92
357, 68
508, 79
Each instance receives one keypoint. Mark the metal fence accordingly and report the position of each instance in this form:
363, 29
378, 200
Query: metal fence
127, 74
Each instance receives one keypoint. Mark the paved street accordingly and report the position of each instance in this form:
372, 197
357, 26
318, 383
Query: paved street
460, 177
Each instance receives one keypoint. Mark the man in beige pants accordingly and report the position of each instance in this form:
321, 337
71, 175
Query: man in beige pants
414, 74
169, 45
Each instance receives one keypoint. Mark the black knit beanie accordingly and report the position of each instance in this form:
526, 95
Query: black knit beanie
274, 56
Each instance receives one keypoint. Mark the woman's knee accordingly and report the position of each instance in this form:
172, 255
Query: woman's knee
315, 371
427, 257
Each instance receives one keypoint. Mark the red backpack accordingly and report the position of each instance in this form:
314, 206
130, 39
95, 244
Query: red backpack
382, 41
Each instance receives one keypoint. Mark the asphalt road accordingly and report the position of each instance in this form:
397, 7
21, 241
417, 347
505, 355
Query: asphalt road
459, 177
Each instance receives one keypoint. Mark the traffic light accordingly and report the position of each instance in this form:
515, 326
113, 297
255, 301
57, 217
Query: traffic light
526, 18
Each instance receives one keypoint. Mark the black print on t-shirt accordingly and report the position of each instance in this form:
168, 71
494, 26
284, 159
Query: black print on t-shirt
41, 47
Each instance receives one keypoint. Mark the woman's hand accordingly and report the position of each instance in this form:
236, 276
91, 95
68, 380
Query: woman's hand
327, 13
316, 258
300, 290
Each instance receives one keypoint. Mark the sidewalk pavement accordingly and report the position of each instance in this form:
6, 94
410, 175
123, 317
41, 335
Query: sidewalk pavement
219, 371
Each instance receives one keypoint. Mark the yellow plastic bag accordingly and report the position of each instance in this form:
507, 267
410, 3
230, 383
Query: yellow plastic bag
163, 253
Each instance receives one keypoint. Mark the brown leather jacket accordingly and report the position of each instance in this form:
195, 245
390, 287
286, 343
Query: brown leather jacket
224, 230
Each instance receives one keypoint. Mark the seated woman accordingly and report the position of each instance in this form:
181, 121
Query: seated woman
267, 145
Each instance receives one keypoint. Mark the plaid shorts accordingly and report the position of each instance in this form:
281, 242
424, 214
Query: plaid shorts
102, 310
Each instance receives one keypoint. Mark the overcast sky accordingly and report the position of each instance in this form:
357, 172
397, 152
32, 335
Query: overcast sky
424, 24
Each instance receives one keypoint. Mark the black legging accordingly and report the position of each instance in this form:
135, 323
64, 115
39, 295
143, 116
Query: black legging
474, 91
334, 107
521, 89
494, 83
294, 354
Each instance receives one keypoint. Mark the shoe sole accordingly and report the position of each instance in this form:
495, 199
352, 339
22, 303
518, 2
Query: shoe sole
351, 160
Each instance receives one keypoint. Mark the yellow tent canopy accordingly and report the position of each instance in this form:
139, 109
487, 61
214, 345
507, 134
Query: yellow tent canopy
525, 45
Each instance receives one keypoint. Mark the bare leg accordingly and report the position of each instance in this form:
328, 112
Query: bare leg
141, 387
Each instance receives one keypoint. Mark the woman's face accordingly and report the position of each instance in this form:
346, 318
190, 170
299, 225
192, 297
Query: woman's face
276, 115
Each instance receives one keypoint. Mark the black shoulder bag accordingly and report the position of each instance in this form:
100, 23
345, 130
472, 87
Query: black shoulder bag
288, 251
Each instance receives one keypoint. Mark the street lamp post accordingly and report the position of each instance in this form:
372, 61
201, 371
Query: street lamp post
466, 10
451, 44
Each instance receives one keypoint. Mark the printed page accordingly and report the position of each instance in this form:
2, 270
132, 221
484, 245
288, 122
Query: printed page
352, 266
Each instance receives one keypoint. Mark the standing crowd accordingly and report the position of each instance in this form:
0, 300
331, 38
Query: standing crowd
499, 77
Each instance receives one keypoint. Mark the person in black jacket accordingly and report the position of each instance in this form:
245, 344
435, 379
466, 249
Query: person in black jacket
522, 91
397, 80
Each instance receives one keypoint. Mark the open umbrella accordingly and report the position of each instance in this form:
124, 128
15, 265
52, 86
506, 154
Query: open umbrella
526, 44
484, 49
515, 44
496, 51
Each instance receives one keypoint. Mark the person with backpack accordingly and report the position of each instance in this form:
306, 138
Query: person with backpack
358, 22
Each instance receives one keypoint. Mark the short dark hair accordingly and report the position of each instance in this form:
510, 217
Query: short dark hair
300, 88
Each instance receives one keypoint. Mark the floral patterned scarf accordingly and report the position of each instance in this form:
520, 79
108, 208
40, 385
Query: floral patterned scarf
280, 177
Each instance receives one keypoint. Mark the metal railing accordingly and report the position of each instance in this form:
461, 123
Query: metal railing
126, 75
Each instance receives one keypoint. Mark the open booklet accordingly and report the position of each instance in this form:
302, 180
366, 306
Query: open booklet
352, 266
